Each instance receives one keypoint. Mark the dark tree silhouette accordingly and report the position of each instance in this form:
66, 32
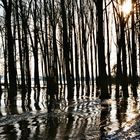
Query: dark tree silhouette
24, 24
73, 41
21, 50
35, 46
10, 47
101, 51
134, 54
66, 49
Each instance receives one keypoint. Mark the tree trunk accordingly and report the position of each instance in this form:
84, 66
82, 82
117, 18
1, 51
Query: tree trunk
12, 93
101, 51
134, 57
66, 49
84, 45
76, 54
20, 51
35, 49
124, 65
25, 46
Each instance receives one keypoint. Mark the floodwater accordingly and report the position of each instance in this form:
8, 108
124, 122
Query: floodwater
80, 119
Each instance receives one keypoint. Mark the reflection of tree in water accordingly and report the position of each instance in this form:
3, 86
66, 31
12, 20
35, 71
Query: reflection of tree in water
104, 120
52, 127
55, 50
62, 68
69, 126
121, 111
10, 132
121, 123
25, 130
82, 123
84, 119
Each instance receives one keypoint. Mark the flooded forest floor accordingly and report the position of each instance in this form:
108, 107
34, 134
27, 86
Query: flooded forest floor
83, 118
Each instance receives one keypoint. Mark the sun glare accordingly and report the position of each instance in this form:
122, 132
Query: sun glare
126, 7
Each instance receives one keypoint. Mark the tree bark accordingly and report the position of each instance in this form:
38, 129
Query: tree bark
101, 51
12, 93
66, 49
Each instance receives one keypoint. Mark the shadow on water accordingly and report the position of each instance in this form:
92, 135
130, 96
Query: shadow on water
83, 118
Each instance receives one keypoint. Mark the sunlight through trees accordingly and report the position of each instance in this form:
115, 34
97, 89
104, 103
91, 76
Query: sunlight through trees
48, 43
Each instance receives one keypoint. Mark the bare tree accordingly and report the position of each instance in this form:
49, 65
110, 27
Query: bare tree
10, 46
66, 50
101, 50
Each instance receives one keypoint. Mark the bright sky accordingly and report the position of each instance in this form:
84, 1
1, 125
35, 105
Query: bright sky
126, 7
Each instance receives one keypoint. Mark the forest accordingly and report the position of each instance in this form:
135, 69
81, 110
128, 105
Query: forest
70, 49
69, 43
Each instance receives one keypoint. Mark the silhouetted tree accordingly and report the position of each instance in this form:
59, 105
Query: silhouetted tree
10, 47
75, 42
24, 18
101, 51
35, 46
122, 45
21, 50
84, 43
66, 49
134, 53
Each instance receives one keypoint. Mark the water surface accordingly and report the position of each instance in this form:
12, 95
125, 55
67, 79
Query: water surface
81, 119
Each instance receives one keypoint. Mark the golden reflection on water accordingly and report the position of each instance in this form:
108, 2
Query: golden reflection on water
119, 117
114, 124
82, 118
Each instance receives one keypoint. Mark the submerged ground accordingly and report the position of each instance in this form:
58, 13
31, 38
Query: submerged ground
80, 119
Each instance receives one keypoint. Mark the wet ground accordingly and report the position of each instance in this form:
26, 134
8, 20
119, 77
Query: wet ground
80, 119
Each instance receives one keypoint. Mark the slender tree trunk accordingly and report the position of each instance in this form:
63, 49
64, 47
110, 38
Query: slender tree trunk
70, 36
20, 50
55, 60
122, 45
5, 66
92, 38
46, 50
28, 74
139, 33
134, 56
35, 49
55, 51
76, 54
11, 62
66, 49
42, 40
84, 45
24, 18
118, 52
80, 48
4, 45
101, 51
129, 52
108, 46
